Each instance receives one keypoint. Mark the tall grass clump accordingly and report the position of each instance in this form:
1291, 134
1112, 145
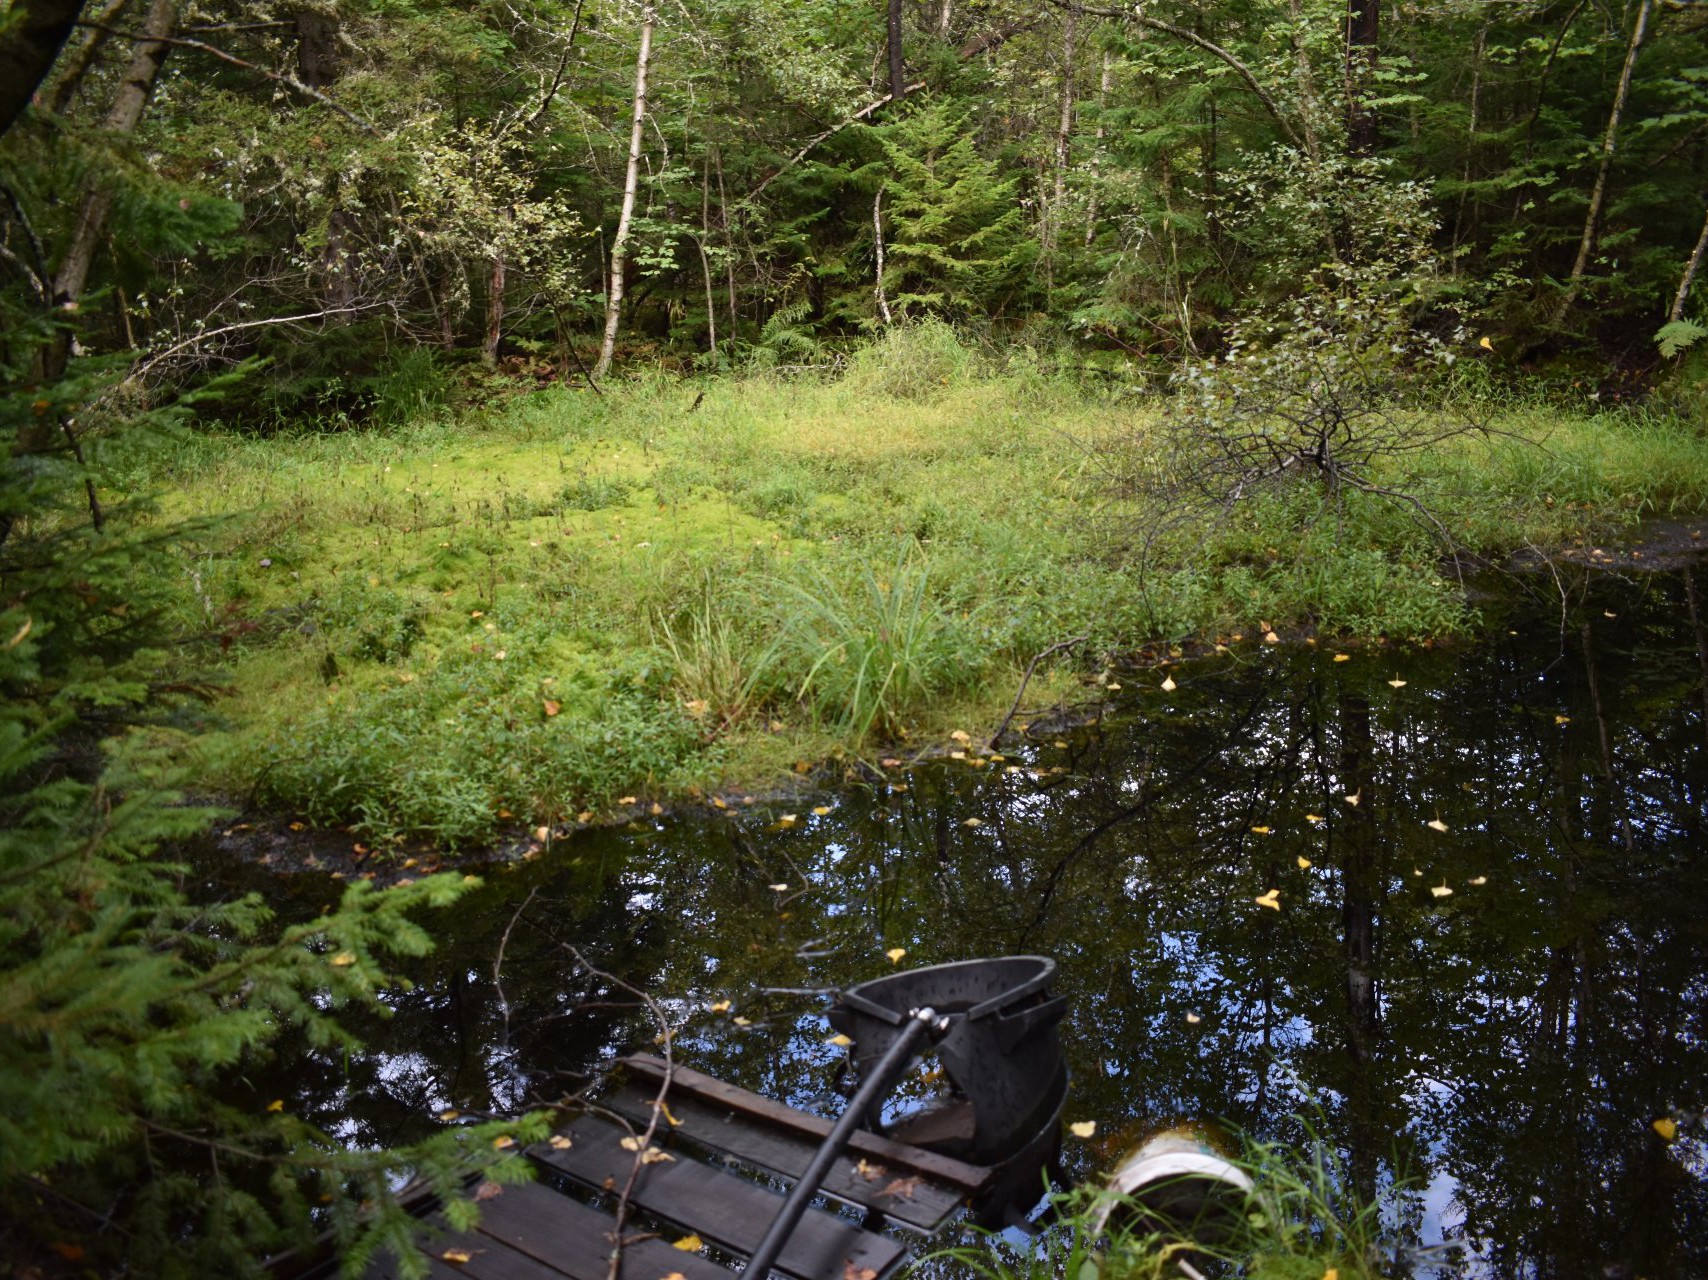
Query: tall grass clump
867, 652
912, 361
720, 669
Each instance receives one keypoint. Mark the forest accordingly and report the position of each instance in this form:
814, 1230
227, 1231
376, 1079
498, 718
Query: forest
432, 427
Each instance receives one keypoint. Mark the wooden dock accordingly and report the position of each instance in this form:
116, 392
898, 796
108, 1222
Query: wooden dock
728, 1158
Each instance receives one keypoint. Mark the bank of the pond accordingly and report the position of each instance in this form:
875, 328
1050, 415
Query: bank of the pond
572, 605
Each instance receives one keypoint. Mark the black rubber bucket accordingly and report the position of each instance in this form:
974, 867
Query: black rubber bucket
1001, 1054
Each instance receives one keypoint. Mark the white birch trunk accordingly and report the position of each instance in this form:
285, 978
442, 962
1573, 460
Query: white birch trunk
631, 181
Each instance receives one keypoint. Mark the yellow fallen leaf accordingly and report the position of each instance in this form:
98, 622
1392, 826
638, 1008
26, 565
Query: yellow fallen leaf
552, 708
689, 1244
1562, 719
1333, 1273
1304, 863
819, 810
741, 1021
298, 826
895, 953
343, 960
1353, 798
1060, 745
973, 822
786, 820
1667, 1127
721, 1006
839, 1040
632, 1143
1396, 683
584, 817
1269, 637
718, 802
1436, 824
1478, 880
1272, 900
626, 800
957, 755
503, 1142
654, 1155
1168, 685
961, 736
1486, 345
1343, 657
656, 809
1083, 1128
448, 1116
277, 1104
457, 1255
542, 834
675, 1275
1193, 1019
1315, 817
1113, 687
1260, 831
779, 888
477, 613
560, 1143
1440, 890
21, 633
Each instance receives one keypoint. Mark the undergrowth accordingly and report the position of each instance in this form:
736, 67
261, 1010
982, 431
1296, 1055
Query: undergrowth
713, 582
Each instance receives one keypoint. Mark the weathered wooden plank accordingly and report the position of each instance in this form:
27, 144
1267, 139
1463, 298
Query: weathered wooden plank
574, 1238
716, 1205
899, 1194
968, 1178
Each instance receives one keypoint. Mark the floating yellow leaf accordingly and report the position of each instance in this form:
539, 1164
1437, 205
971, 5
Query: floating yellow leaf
1343, 657
722, 1006
1083, 1128
560, 1143
277, 1104
457, 1255
718, 802
1168, 685
1667, 1127
1260, 831
542, 834
1353, 798
961, 736
656, 809
343, 960
1562, 719
890, 762
689, 1244
741, 1021
1272, 900
957, 755
448, 1116
585, 816
895, 953
1440, 890
1396, 683
1315, 817
1478, 880
1060, 745
819, 810
1304, 863
973, 822
503, 1142
785, 820
779, 888
1269, 637
1193, 1019
626, 800
1113, 687
839, 1040
1436, 824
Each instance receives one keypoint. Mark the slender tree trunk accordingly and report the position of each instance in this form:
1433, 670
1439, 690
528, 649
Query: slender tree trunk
1690, 269
1609, 145
74, 67
706, 262
878, 239
1470, 134
66, 291
1309, 109
494, 309
898, 72
1363, 26
945, 14
1104, 83
1064, 150
631, 182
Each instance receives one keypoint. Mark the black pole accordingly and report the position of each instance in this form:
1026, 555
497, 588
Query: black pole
876, 1085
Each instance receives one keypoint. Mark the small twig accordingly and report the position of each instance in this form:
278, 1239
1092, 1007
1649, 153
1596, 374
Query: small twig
498, 962
1020, 693
620, 1217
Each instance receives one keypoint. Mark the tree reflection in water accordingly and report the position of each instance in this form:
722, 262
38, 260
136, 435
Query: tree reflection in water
1503, 1048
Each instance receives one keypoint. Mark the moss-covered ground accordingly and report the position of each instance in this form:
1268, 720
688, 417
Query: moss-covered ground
573, 602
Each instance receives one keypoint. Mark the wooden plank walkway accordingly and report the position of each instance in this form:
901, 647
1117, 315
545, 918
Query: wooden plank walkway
732, 1153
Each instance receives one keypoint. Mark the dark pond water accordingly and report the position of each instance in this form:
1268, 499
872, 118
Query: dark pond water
1504, 1049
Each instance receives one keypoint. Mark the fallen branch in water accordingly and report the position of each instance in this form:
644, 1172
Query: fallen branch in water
1026, 679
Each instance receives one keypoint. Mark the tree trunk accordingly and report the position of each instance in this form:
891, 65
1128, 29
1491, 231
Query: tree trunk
66, 291
1064, 140
34, 33
878, 240
898, 73
73, 68
494, 310
1609, 144
706, 262
1363, 24
631, 181
1690, 269
1104, 83
1308, 103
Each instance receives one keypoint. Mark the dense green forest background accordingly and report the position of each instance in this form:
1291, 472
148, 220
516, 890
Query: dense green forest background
309, 217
